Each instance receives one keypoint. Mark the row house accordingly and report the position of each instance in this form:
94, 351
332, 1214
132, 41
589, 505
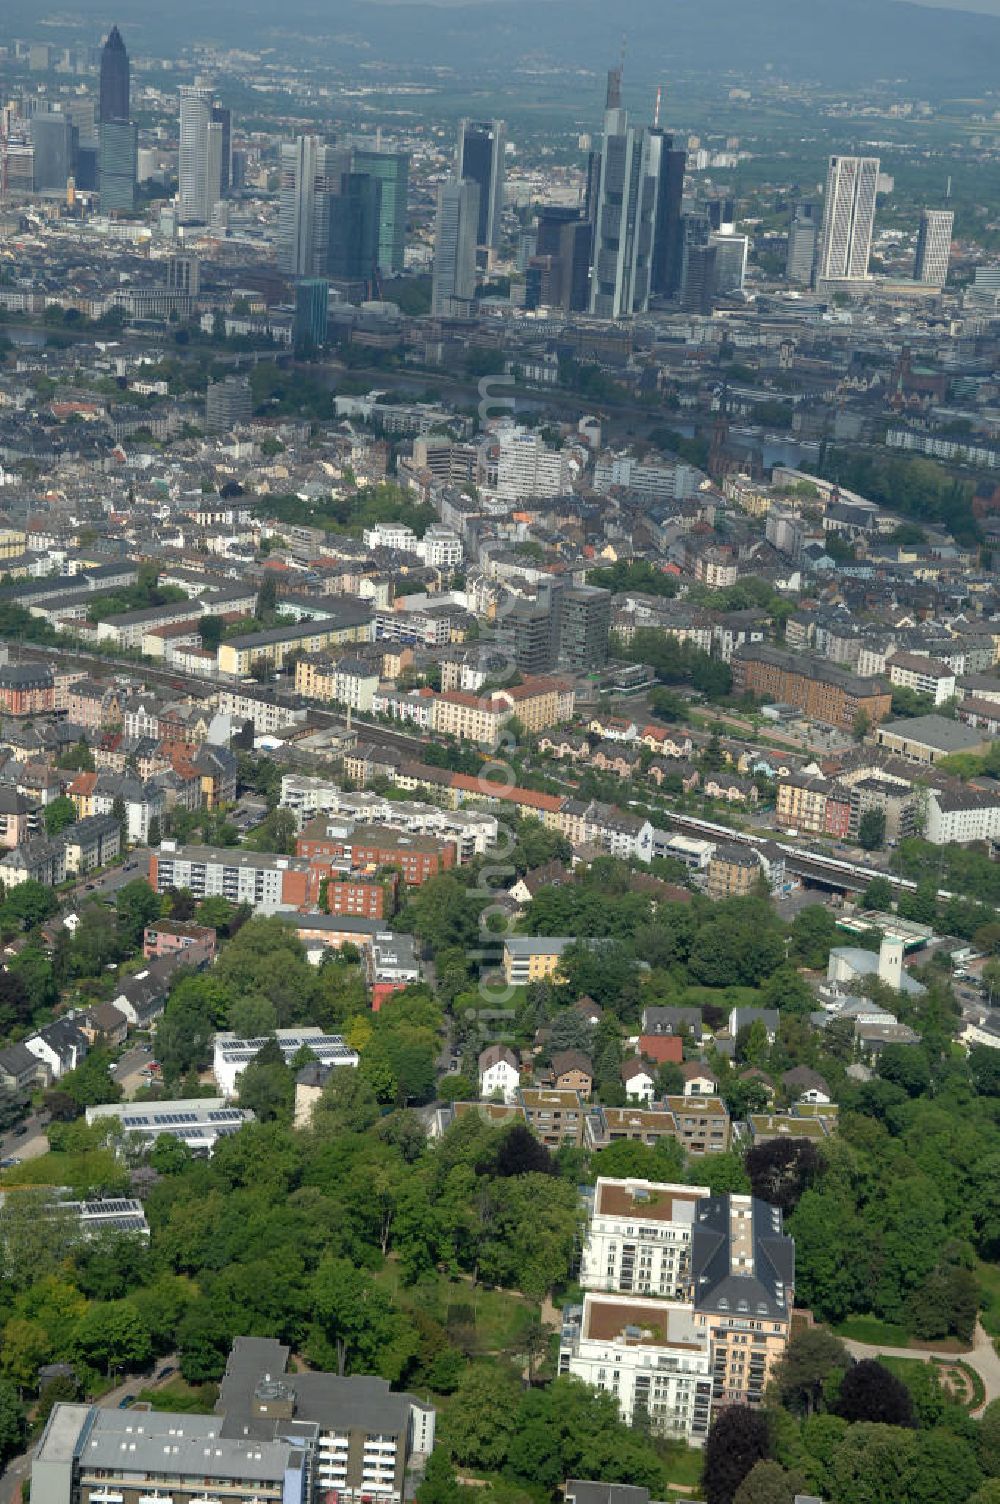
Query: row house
730, 789
666, 741
26, 689
91, 843
813, 805
98, 793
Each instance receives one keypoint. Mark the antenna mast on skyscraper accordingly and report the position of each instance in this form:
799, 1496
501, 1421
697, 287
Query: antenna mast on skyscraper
656, 108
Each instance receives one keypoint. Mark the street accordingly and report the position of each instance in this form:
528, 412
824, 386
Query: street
107, 883
128, 1070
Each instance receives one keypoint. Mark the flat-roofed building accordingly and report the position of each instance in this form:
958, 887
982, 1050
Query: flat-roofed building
651, 1355
639, 1237
231, 1055
198, 1122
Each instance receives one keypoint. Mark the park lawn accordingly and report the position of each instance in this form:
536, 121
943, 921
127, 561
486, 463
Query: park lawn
497, 1317
870, 1329
85, 1172
988, 1276
682, 1466
722, 997
188, 1399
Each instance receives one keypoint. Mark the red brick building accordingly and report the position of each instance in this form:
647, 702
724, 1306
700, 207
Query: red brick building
416, 857
361, 894
26, 689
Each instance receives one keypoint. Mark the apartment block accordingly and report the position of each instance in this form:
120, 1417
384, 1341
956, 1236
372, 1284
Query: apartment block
699, 1124
555, 1117
743, 1285
651, 1355
923, 675
639, 1238
417, 858
821, 690
345, 681
345, 622
276, 1438
262, 879
532, 958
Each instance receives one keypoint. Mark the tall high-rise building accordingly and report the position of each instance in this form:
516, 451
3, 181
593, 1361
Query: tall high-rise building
354, 228
224, 119
564, 236
117, 165
199, 166
312, 303
114, 95
802, 234
392, 169
454, 282
731, 252
625, 217
933, 247
52, 138
311, 173
481, 147
184, 274
700, 273
666, 270
848, 216
584, 624
228, 402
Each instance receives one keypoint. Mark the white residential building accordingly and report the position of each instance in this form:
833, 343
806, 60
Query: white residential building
198, 1122
231, 1055
441, 548
395, 535
923, 675
960, 815
527, 469
649, 1354
639, 1238
498, 1074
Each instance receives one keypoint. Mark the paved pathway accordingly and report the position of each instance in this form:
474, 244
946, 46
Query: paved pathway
983, 1357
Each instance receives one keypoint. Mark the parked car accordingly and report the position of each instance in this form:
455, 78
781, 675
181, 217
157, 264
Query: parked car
127, 1402
9, 1163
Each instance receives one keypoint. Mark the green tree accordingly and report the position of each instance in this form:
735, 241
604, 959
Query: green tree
769, 1483
810, 1358
60, 813
12, 1419
113, 1335
481, 1418
871, 830
137, 906
878, 895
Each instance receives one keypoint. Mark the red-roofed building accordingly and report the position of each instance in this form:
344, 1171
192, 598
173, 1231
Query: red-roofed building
663, 1048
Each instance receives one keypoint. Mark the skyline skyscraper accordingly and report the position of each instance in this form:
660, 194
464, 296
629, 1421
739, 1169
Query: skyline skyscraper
199, 165
118, 153
453, 285
354, 228
802, 234
666, 269
392, 169
312, 303
311, 174
481, 149
52, 141
114, 98
625, 217
933, 247
848, 217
